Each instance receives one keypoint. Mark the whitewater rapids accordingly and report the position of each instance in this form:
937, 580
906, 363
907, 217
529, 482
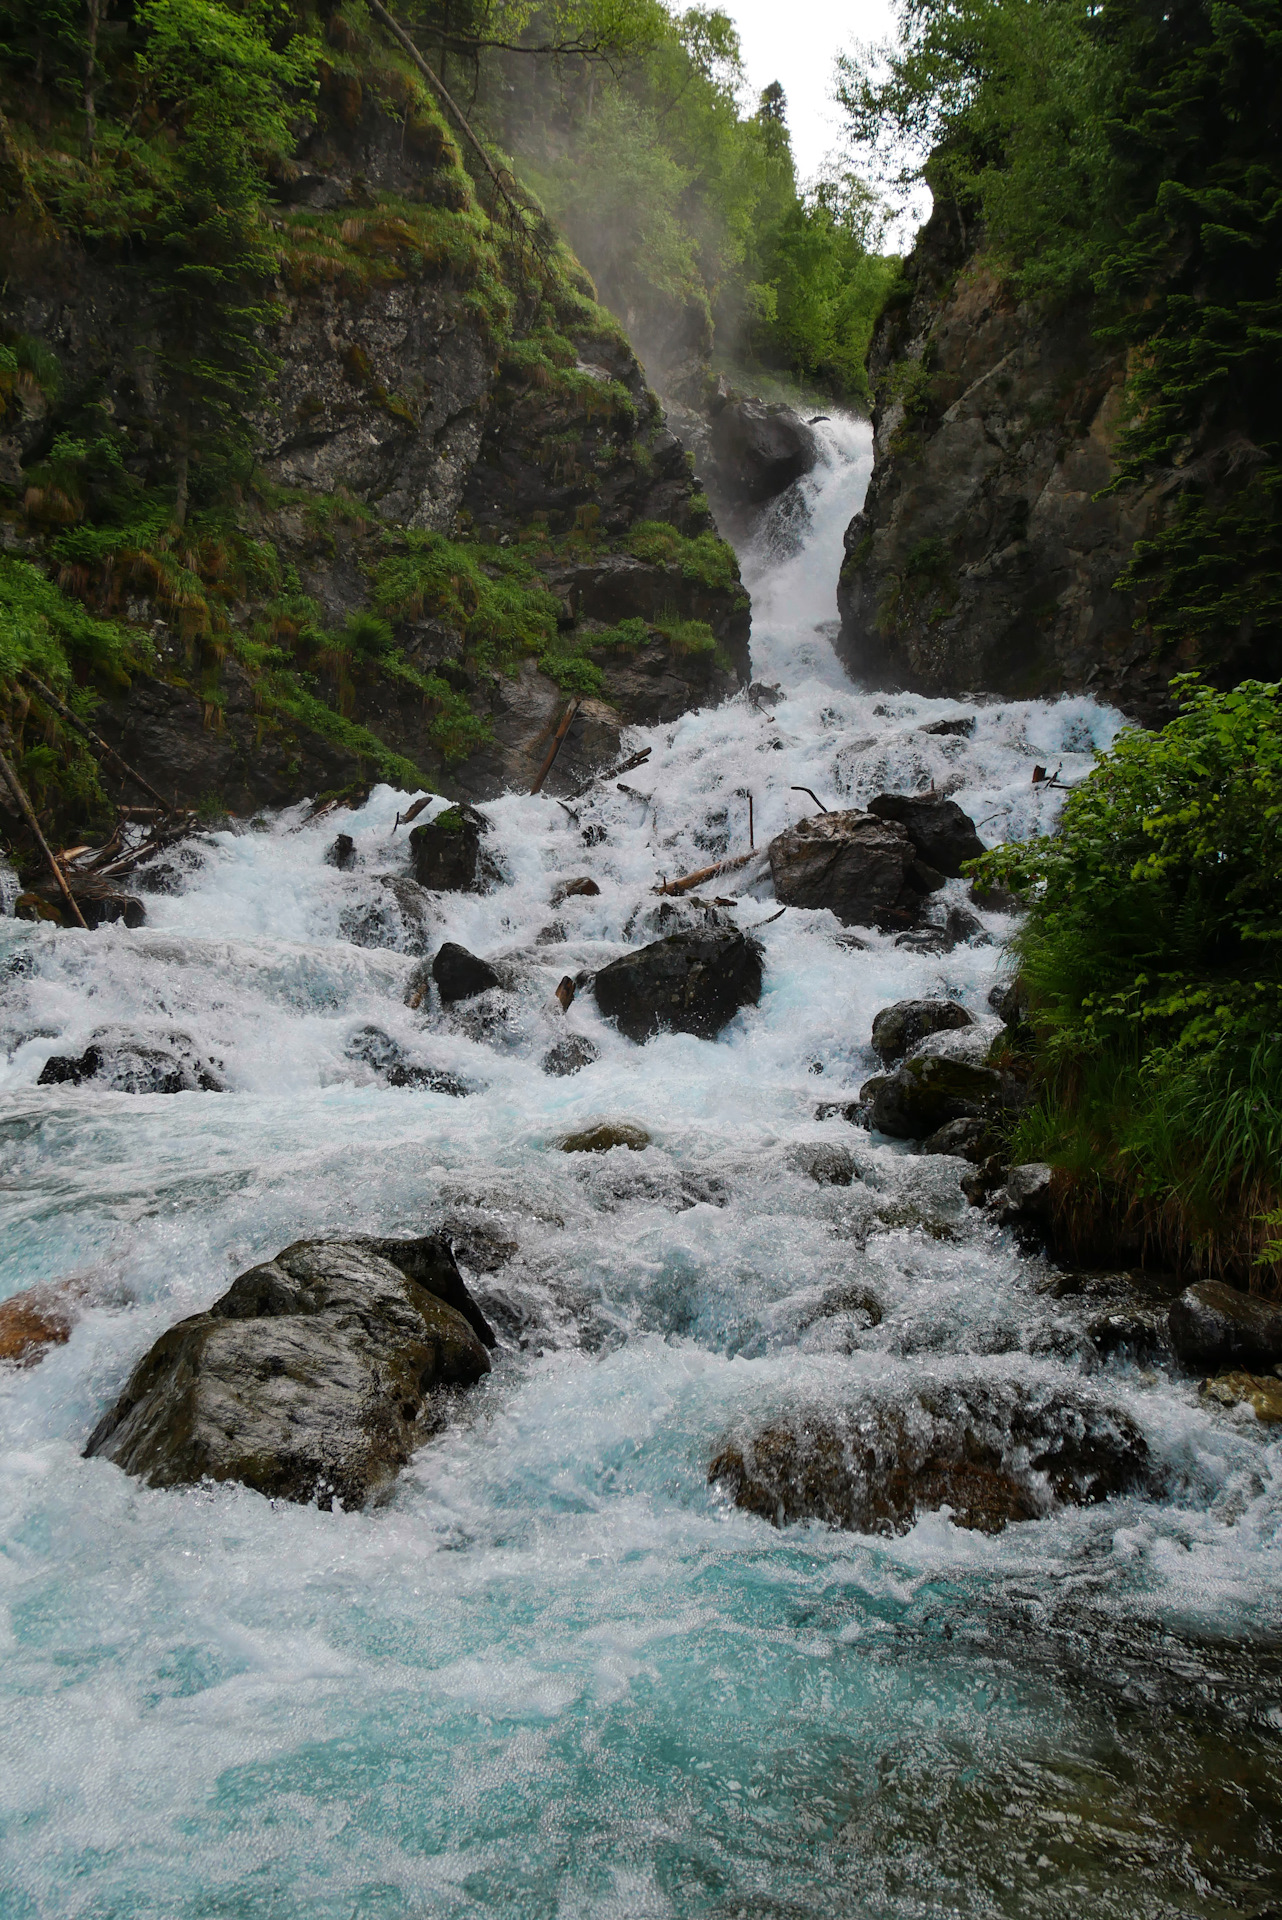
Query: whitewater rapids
558, 1675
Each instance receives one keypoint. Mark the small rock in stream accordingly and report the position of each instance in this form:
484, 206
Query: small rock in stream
898, 1028
313, 1377
461, 975
991, 1452
570, 1054
117, 1063
927, 1092
1261, 1392
342, 852
446, 854
608, 1134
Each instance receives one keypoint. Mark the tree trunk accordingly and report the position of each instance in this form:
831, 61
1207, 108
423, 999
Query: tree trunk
91, 68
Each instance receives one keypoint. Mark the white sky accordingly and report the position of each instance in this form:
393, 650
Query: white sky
796, 42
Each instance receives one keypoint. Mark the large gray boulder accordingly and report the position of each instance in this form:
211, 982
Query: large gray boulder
1214, 1327
926, 1093
689, 983
993, 1452
759, 449
864, 869
314, 1376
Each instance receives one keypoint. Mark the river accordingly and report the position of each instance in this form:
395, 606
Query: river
559, 1676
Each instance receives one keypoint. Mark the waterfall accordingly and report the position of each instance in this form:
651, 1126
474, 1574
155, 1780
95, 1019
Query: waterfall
558, 1673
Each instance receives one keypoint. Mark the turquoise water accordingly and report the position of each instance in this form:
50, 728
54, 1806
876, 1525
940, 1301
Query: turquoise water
557, 1675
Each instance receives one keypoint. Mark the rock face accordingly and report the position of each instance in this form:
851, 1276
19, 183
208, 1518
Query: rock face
984, 556
992, 1453
864, 869
313, 1377
390, 397
925, 1094
446, 854
688, 983
898, 1028
942, 834
1214, 1328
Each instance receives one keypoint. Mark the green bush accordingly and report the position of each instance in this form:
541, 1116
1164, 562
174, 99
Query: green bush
1152, 957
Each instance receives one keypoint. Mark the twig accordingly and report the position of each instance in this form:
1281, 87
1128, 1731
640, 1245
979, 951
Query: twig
29, 815
566, 720
688, 880
625, 766
769, 921
96, 739
813, 795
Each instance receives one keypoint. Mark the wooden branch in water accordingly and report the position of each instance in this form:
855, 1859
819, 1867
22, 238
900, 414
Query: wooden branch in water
688, 880
29, 815
95, 739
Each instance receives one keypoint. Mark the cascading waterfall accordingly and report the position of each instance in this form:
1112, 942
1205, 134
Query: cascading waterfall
558, 1674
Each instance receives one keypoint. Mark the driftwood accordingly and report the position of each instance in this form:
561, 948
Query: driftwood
624, 766
567, 719
688, 880
29, 815
95, 739
412, 813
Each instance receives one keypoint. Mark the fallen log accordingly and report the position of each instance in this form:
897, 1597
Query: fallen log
688, 880
19, 793
94, 739
567, 719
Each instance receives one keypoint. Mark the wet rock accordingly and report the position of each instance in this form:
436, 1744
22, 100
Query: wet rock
844, 1299
479, 1245
581, 888
828, 1164
924, 940
461, 975
865, 870
601, 1138
1025, 1201
341, 853
689, 983
121, 1064
942, 834
373, 1048
963, 727
1133, 1332
963, 928
925, 1093
446, 854
398, 917
992, 1453
1009, 1001
312, 1378
759, 450
101, 904
570, 1054
898, 1028
1261, 1392
966, 1139
1216, 1328
995, 899
32, 1322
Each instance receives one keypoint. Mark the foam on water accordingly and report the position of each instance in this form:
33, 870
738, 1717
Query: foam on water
558, 1675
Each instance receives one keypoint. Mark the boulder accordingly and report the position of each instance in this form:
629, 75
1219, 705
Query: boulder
395, 915
606, 1135
1262, 1393
898, 1028
582, 888
570, 1054
461, 975
943, 835
342, 852
119, 1063
373, 1048
1009, 1001
1217, 1329
446, 854
32, 1322
1025, 1201
827, 1163
312, 1378
1138, 1333
925, 1093
991, 1452
864, 869
965, 1139
759, 450
689, 983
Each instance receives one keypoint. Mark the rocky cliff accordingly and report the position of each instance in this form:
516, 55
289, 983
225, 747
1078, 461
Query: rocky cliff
988, 549
457, 508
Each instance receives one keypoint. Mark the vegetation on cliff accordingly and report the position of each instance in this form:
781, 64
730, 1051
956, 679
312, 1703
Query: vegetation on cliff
1152, 962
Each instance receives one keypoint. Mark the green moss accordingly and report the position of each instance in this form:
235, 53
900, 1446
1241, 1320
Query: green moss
706, 558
